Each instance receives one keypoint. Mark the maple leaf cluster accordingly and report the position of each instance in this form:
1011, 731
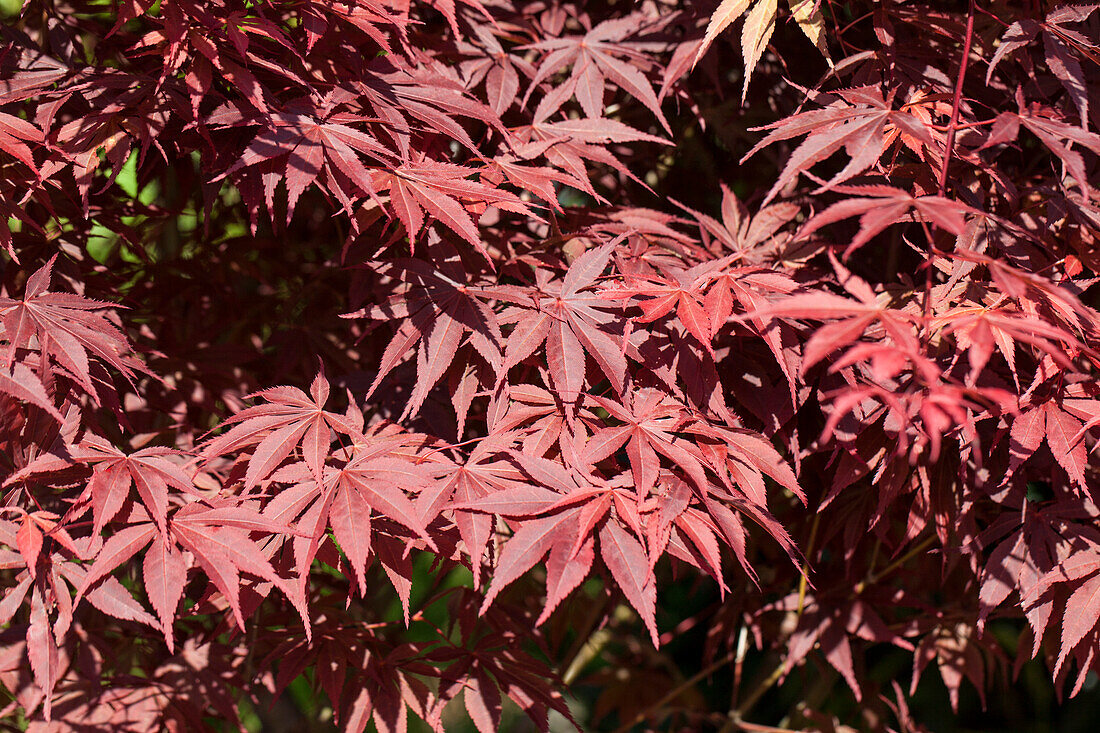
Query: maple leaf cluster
409, 353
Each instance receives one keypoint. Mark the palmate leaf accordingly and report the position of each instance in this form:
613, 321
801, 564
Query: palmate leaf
43, 583
758, 27
445, 193
568, 144
497, 68
738, 231
959, 655
376, 484
380, 483
562, 520
14, 136
439, 309
861, 122
849, 318
833, 627
289, 419
151, 472
595, 60
67, 329
564, 514
484, 476
651, 424
24, 385
218, 538
882, 206
1062, 49
307, 141
680, 290
570, 321
148, 470
1060, 425
488, 663
980, 328
539, 420
728, 11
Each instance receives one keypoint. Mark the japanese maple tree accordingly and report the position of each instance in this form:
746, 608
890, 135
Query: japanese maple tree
435, 365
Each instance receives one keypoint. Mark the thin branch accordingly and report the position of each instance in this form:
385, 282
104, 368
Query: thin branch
676, 691
952, 128
803, 581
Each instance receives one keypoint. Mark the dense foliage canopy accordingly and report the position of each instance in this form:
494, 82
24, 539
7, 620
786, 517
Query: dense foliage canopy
387, 361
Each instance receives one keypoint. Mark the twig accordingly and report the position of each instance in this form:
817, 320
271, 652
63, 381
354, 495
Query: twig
739, 664
576, 663
802, 582
876, 577
675, 692
758, 692
952, 128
